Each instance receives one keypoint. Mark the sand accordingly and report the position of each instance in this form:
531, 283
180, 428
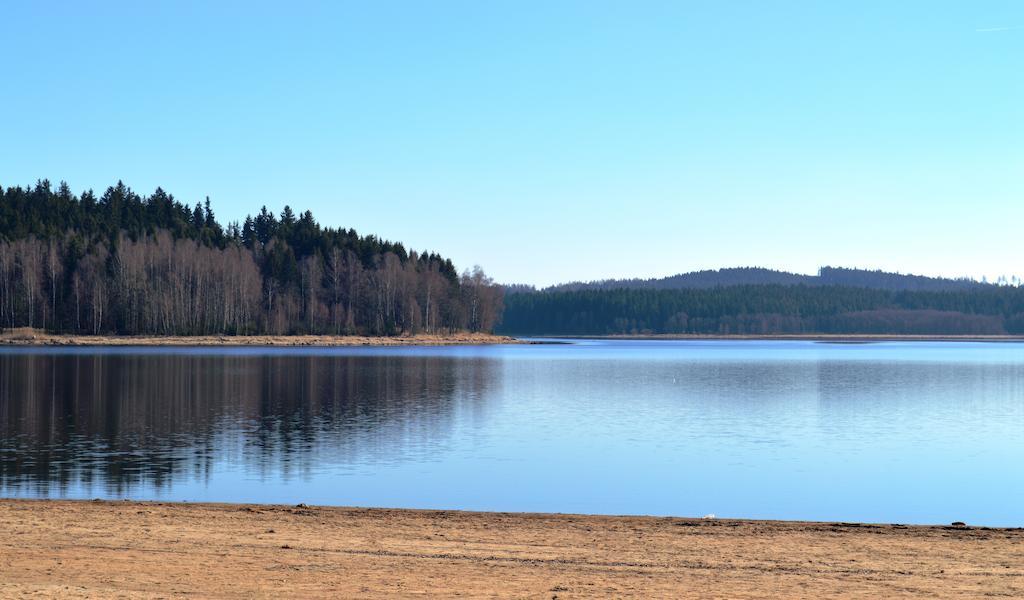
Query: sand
33, 337
151, 550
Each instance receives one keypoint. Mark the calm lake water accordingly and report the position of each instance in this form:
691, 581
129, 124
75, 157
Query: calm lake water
888, 432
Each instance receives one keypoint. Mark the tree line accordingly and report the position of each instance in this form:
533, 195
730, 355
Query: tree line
766, 309
130, 264
760, 276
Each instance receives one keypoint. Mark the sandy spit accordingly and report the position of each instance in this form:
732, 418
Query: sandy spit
154, 550
29, 337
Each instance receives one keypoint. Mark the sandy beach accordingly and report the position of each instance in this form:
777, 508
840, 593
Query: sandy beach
30, 337
156, 550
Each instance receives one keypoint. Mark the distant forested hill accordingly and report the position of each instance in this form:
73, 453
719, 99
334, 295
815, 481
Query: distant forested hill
759, 276
766, 309
751, 300
131, 264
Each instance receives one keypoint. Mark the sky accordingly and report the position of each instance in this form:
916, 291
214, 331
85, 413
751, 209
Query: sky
550, 141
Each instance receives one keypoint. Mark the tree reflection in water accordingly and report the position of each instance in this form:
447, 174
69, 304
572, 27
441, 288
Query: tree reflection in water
116, 422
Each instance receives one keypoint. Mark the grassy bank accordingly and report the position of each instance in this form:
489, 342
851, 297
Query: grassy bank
31, 337
129, 549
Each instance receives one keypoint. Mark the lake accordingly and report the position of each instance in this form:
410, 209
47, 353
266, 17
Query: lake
905, 432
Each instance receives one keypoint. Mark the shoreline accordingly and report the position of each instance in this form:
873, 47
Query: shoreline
27, 337
837, 338
23, 337
82, 548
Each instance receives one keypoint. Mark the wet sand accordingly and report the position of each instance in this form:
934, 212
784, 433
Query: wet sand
28, 337
153, 550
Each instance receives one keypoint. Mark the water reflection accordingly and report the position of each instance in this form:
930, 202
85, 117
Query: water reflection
127, 421
911, 432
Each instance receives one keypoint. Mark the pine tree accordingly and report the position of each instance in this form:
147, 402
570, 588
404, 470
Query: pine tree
248, 233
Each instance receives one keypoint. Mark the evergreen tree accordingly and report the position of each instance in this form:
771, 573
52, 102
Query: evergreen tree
248, 232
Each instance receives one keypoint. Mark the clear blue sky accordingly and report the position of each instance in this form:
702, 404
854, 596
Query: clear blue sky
550, 141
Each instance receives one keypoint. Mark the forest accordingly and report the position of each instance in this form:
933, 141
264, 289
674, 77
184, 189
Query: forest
766, 309
760, 276
124, 263
129, 264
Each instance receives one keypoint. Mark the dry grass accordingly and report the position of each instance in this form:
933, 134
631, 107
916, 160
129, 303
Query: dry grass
33, 337
149, 550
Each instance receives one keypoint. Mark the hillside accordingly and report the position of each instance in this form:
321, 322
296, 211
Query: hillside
760, 276
766, 309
